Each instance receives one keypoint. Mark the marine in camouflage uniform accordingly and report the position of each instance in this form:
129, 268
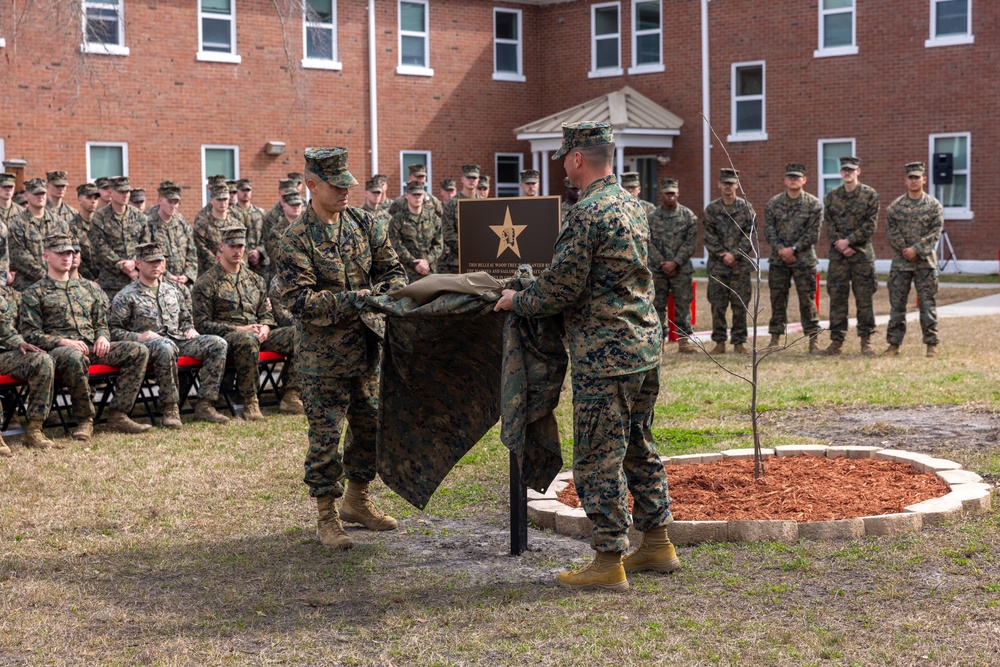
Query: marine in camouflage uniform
913, 224
278, 223
850, 217
154, 312
175, 239
208, 225
729, 221
373, 196
325, 267
9, 209
631, 183
252, 217
26, 236
418, 173
114, 234
791, 227
233, 304
55, 186
79, 227
58, 308
600, 282
448, 263
673, 236
415, 234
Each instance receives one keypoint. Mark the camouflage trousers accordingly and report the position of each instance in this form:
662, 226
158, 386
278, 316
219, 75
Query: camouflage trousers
926, 283
841, 277
329, 401
779, 282
38, 370
732, 291
680, 286
130, 358
209, 350
245, 349
613, 452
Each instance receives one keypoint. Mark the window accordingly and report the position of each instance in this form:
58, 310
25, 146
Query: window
319, 34
605, 33
219, 160
217, 31
647, 31
106, 158
748, 102
414, 38
953, 196
406, 158
507, 45
951, 23
508, 174
104, 27
836, 29
830, 152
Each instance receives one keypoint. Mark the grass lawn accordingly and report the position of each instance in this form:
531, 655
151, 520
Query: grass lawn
197, 548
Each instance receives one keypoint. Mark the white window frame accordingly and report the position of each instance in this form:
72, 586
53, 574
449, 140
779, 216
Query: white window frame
516, 185
218, 56
646, 68
509, 76
404, 171
760, 135
107, 144
204, 168
948, 40
823, 176
849, 50
97, 48
953, 212
594, 72
320, 63
414, 70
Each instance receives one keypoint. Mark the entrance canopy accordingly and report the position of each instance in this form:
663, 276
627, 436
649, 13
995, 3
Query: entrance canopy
638, 121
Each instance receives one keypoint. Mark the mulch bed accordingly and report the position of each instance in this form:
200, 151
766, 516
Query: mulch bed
799, 488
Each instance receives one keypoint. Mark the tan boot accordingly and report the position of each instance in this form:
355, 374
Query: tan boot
657, 553
171, 416
204, 411
84, 430
329, 529
605, 572
775, 341
931, 351
891, 351
740, 348
33, 436
684, 346
357, 508
251, 409
866, 346
834, 348
720, 348
120, 422
814, 345
4, 449
291, 403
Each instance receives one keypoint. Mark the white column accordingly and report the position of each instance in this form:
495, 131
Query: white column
620, 158
372, 88
536, 158
543, 176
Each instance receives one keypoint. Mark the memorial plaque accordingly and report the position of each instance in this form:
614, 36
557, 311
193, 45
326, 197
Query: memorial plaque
499, 235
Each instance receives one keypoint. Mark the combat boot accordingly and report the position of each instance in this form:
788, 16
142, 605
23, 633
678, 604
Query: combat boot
891, 351
866, 346
4, 449
657, 553
834, 348
291, 403
329, 529
605, 572
120, 422
84, 430
720, 348
205, 411
33, 436
814, 345
251, 409
684, 346
358, 508
931, 351
775, 341
740, 348
171, 416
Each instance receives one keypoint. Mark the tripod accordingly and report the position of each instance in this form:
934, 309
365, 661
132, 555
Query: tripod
945, 242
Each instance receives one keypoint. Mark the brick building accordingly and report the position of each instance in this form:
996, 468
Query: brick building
171, 89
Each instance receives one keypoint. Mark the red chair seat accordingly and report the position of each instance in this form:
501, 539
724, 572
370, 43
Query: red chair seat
271, 356
9, 379
102, 369
187, 362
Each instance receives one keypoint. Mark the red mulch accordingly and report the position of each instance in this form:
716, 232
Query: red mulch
800, 488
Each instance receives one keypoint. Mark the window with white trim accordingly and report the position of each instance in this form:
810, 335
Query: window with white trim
605, 40
507, 63
106, 158
217, 31
406, 158
748, 103
104, 27
319, 34
414, 38
218, 159
508, 174
647, 37
954, 196
951, 23
830, 152
836, 29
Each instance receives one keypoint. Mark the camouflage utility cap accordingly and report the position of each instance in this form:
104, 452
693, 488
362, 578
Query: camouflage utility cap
470, 170
244, 184
583, 134
149, 252
529, 176
59, 243
34, 186
373, 185
58, 178
76, 245
231, 185
381, 178
484, 182
138, 195
630, 179
292, 198
169, 190
415, 188
418, 170
795, 169
915, 168
729, 176
87, 190
670, 185
297, 177
286, 184
330, 164
7, 180
121, 184
218, 179
448, 184
218, 191
234, 236
103, 183
850, 162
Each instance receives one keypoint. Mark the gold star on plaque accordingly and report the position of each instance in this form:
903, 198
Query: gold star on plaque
508, 233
